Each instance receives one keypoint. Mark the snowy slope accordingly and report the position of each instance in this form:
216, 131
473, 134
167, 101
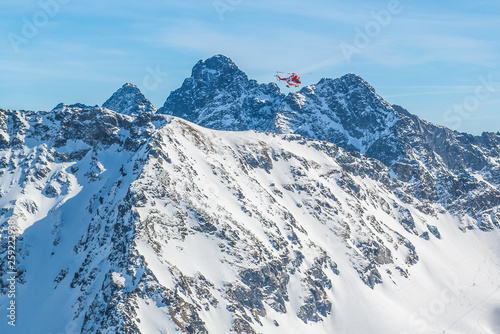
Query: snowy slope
218, 95
436, 163
169, 227
346, 111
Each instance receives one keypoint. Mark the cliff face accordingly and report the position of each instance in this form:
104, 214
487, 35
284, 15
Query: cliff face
218, 95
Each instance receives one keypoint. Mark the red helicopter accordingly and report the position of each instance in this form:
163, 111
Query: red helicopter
292, 80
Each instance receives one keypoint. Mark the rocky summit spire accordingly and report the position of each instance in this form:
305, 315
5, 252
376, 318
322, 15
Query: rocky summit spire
345, 111
216, 67
129, 100
220, 96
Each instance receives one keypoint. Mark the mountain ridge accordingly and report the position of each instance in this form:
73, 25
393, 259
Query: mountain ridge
348, 112
345, 214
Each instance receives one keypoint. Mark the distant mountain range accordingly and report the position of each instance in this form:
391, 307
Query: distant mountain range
235, 208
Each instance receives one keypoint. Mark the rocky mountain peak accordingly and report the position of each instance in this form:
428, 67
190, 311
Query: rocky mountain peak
345, 111
218, 73
129, 100
355, 81
216, 66
220, 96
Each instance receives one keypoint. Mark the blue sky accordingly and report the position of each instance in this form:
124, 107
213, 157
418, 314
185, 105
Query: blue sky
440, 60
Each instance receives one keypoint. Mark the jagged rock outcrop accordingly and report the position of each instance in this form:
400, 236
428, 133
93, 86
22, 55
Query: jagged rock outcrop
437, 164
218, 95
129, 100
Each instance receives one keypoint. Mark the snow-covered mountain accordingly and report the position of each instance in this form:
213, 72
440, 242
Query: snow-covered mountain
335, 213
129, 100
444, 166
218, 95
